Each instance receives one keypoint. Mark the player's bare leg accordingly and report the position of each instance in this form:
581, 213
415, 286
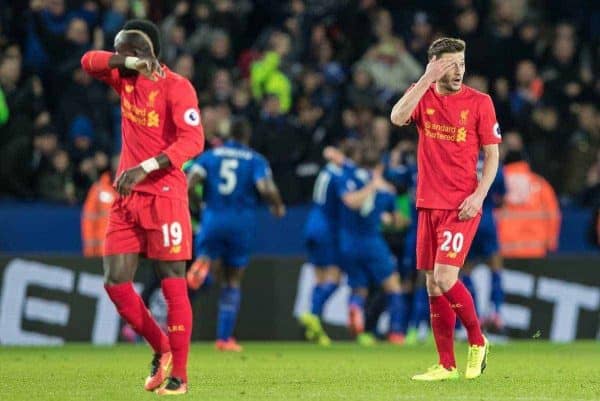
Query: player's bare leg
326, 282
229, 305
393, 292
461, 301
119, 271
179, 323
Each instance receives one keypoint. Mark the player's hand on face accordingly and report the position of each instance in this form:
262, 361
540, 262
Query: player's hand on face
437, 68
129, 179
148, 66
470, 207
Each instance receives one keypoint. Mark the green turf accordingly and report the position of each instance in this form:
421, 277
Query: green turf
535, 370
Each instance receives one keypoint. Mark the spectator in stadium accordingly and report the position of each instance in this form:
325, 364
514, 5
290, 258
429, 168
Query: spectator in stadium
545, 140
94, 217
392, 67
561, 70
380, 133
529, 219
319, 37
221, 88
277, 139
24, 158
583, 148
56, 183
421, 36
218, 57
529, 89
591, 194
24, 106
361, 91
82, 96
184, 65
114, 18
526, 43
266, 76
467, 28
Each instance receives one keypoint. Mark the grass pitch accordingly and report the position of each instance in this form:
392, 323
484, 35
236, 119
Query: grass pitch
534, 370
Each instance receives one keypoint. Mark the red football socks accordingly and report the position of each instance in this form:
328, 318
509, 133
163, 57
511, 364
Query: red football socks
132, 309
443, 320
461, 302
179, 322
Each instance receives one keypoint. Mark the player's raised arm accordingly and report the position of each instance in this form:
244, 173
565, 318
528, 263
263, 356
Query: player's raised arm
403, 109
134, 53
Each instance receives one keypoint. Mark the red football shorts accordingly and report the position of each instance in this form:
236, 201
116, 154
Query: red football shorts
154, 226
443, 238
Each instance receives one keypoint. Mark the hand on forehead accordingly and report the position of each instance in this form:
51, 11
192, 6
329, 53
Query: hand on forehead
454, 57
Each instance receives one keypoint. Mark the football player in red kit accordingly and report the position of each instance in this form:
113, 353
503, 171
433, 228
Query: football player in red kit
160, 131
454, 123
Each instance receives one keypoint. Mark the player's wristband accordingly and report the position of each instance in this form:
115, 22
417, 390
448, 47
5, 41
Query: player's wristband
150, 165
130, 62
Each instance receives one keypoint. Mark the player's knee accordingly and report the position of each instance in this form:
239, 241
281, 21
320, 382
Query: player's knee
433, 290
171, 269
444, 281
114, 277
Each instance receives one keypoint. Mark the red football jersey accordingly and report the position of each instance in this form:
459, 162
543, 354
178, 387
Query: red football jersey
159, 116
452, 128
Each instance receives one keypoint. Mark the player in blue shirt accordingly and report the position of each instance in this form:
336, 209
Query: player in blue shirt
367, 202
236, 180
485, 248
321, 238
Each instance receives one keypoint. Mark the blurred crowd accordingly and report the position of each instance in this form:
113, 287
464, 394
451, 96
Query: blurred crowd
306, 73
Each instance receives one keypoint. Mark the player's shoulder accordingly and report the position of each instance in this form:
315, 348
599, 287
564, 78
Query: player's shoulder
474, 94
177, 81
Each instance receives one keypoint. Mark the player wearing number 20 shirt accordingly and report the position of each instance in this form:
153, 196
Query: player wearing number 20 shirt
455, 122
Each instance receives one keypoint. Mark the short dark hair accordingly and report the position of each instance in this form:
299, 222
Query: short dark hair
445, 45
240, 129
150, 29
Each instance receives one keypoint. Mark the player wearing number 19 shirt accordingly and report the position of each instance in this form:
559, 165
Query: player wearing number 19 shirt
235, 180
454, 122
160, 131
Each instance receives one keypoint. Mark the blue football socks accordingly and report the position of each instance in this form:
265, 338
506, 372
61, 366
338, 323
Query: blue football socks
229, 305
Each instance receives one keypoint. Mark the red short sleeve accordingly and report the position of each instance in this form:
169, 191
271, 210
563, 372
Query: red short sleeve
487, 125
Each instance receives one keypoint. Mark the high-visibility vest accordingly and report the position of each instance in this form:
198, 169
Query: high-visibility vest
529, 220
94, 217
